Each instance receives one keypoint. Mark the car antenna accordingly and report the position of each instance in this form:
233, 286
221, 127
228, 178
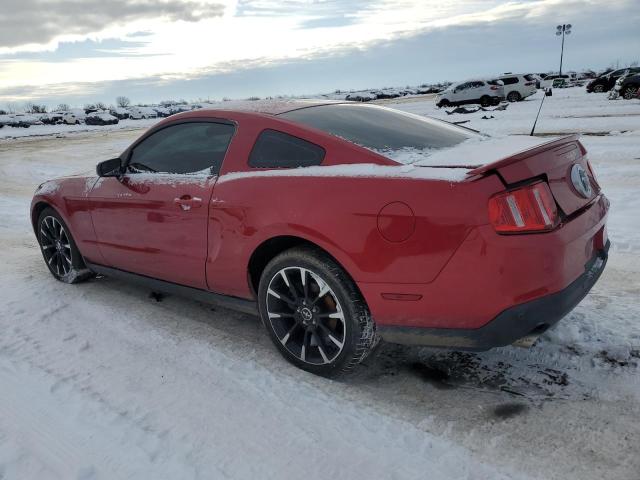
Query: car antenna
539, 109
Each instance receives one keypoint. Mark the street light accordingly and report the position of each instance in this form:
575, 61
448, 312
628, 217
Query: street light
564, 29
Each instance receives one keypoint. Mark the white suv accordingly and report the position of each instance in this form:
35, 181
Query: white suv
484, 92
518, 87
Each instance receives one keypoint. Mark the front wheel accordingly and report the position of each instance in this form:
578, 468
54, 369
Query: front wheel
629, 93
485, 101
314, 312
59, 249
598, 89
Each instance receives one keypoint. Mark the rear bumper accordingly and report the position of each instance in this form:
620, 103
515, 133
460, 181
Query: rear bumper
521, 321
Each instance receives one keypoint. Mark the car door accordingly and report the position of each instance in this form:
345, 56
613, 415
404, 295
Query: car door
153, 219
461, 93
475, 91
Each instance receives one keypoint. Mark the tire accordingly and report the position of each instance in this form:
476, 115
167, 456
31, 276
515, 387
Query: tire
59, 250
629, 93
514, 97
485, 101
598, 89
314, 313
444, 103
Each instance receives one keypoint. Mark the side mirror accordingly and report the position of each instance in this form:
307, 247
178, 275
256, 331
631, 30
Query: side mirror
109, 168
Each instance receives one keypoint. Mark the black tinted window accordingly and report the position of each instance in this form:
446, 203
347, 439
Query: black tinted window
379, 128
509, 80
183, 148
275, 149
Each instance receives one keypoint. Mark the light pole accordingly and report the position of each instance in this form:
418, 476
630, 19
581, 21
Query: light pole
564, 29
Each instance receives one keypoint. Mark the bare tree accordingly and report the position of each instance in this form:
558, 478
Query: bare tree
63, 107
123, 102
34, 108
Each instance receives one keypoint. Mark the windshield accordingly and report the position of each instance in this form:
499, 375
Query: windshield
401, 136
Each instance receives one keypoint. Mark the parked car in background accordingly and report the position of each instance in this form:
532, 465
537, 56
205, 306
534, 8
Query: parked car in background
24, 120
627, 86
607, 81
555, 80
484, 92
120, 113
518, 86
78, 113
101, 118
162, 111
139, 113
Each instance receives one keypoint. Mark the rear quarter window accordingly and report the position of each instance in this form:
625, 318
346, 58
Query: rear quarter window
275, 149
509, 80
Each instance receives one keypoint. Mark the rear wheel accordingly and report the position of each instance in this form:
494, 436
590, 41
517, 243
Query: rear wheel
514, 97
485, 101
59, 249
444, 103
629, 93
314, 313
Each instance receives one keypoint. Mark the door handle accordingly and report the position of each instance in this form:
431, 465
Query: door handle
187, 202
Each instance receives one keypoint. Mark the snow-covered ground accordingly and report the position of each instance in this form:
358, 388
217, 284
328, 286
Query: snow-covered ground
100, 381
63, 129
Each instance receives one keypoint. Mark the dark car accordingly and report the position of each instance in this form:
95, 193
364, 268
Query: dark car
606, 82
629, 86
100, 119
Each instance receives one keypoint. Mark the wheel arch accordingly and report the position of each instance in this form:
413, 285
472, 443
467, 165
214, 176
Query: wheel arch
36, 210
272, 247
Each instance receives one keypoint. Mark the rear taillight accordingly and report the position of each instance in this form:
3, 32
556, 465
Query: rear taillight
494, 87
526, 209
528, 84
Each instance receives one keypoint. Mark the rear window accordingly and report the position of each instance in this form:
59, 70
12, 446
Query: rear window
529, 78
509, 80
380, 129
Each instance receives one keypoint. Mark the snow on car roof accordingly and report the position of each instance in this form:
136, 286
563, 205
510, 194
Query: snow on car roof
270, 107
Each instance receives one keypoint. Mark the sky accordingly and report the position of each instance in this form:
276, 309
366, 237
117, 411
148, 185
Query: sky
80, 51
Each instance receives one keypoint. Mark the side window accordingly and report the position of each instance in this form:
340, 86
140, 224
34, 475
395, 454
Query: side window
183, 148
275, 149
509, 80
478, 84
462, 86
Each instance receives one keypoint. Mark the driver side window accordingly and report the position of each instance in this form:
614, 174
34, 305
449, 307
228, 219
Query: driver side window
194, 147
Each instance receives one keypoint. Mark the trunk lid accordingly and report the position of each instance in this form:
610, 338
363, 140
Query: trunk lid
517, 159
562, 162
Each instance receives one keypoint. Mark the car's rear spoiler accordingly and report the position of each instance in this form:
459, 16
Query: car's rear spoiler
524, 154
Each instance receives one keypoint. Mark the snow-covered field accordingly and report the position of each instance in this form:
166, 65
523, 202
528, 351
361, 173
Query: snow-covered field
100, 381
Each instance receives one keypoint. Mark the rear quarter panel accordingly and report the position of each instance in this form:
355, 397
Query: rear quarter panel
340, 215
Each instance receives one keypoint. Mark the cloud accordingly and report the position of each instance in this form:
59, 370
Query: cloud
39, 22
258, 49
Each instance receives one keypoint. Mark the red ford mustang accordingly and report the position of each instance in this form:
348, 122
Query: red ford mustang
340, 224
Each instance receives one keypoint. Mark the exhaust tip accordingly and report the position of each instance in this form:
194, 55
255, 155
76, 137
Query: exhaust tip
532, 337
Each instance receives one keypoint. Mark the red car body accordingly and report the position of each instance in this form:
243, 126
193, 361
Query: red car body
422, 251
